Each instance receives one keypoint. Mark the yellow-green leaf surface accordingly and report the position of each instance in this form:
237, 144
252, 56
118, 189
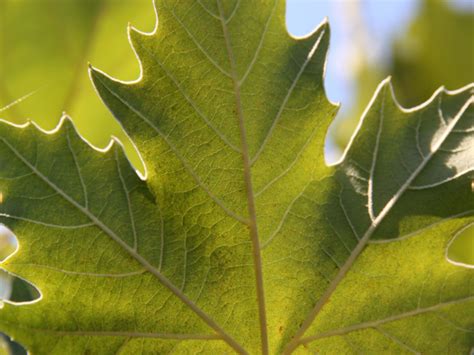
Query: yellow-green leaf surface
241, 239
45, 46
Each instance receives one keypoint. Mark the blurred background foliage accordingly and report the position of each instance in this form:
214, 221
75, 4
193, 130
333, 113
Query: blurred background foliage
45, 47
437, 48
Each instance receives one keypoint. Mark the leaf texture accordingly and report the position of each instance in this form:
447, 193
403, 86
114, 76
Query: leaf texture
241, 238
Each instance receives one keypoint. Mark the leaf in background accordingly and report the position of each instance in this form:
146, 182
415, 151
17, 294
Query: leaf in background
241, 238
416, 61
419, 66
44, 49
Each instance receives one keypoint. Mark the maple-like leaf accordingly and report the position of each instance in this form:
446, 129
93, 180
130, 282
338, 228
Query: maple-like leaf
241, 238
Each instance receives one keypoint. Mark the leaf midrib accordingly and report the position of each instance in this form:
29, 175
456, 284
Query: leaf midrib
253, 229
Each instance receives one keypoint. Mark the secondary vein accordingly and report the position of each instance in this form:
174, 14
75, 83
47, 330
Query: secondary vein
376, 323
294, 343
130, 250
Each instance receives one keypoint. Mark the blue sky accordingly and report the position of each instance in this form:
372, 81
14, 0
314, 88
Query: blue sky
359, 29
382, 19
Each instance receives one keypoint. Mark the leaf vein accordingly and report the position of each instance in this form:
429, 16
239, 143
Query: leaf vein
286, 98
175, 151
164, 280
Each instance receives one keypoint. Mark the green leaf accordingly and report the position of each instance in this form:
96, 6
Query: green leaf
61, 37
241, 238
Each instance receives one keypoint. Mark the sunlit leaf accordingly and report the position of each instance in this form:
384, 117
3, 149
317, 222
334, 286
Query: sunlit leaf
241, 238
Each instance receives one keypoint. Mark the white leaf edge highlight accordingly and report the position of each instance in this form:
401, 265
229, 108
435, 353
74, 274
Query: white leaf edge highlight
383, 83
454, 262
66, 117
10, 235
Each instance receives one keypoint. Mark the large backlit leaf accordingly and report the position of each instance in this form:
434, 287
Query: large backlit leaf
241, 238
